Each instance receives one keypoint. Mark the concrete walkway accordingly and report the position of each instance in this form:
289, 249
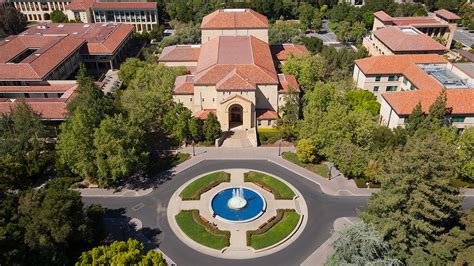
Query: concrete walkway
337, 186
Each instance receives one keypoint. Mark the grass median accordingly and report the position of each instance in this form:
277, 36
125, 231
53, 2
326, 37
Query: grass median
320, 169
201, 231
199, 186
275, 231
277, 187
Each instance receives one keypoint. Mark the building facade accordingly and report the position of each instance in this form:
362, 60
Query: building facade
231, 74
400, 82
39, 10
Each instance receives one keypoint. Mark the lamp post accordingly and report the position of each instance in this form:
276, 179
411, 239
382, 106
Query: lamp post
194, 153
279, 147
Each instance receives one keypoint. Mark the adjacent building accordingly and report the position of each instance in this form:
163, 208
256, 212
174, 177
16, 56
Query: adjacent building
39, 10
443, 24
141, 14
39, 65
393, 40
232, 73
400, 82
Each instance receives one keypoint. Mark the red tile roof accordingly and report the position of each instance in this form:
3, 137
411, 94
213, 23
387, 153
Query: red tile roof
184, 85
287, 82
180, 53
47, 108
282, 51
407, 39
234, 19
51, 51
247, 56
381, 15
266, 114
80, 5
413, 21
202, 114
403, 102
124, 5
395, 64
445, 14
37, 88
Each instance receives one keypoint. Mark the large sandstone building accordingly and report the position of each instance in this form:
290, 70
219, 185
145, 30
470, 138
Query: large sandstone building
232, 73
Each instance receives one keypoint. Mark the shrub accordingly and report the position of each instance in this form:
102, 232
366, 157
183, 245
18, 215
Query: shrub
268, 136
306, 151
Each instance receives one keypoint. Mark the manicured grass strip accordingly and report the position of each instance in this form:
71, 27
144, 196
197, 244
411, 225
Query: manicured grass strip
201, 231
278, 188
194, 190
275, 231
319, 169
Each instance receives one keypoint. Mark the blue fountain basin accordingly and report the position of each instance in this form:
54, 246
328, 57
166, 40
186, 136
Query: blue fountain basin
255, 206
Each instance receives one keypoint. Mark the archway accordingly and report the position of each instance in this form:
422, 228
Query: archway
235, 115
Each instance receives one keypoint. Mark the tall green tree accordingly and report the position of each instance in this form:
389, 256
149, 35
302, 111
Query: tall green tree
121, 253
120, 150
363, 100
465, 154
360, 244
416, 119
307, 69
12, 21
57, 16
22, 149
286, 124
417, 202
211, 128
129, 68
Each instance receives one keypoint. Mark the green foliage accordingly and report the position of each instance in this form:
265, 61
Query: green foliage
268, 135
12, 21
290, 113
306, 151
50, 223
320, 169
279, 33
23, 154
417, 203
211, 128
313, 44
360, 244
363, 100
121, 253
347, 32
307, 69
309, 17
184, 34
179, 124
129, 68
416, 119
349, 158
278, 188
466, 12
120, 150
465, 153
57, 16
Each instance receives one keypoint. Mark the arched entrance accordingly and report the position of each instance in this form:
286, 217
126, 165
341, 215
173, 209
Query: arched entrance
235, 115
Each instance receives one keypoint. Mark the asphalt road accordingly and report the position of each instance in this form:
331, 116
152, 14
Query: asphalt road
151, 210
464, 36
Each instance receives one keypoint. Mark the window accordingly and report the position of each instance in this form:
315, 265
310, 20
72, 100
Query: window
191, 99
377, 78
259, 122
405, 81
391, 88
412, 87
458, 119
203, 99
376, 88
392, 78
269, 122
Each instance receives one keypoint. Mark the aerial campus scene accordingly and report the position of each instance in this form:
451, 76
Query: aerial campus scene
237, 132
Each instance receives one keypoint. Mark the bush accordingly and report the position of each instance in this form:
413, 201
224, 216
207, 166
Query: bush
306, 151
268, 136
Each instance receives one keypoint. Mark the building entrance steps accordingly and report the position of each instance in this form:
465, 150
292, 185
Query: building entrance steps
237, 139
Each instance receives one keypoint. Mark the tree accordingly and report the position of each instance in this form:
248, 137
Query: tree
120, 150
184, 34
56, 226
416, 119
307, 69
313, 44
121, 253
129, 68
22, 149
177, 122
417, 202
309, 16
13, 250
211, 128
57, 16
438, 111
360, 244
465, 153
363, 100
12, 21
279, 33
286, 124
306, 151
349, 158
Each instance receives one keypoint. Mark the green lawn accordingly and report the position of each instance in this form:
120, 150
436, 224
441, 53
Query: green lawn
276, 233
194, 190
197, 230
319, 169
278, 188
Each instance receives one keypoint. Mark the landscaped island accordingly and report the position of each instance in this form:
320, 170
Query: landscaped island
275, 230
201, 231
199, 186
275, 186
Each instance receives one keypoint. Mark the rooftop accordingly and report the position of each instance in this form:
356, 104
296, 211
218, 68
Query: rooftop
446, 77
234, 19
408, 21
282, 51
403, 39
180, 53
445, 14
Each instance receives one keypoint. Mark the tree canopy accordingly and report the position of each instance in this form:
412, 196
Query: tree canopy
12, 21
57, 16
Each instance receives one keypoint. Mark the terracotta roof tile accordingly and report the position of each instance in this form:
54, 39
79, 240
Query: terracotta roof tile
234, 19
37, 88
282, 51
81, 5
184, 85
266, 114
202, 114
287, 82
445, 14
180, 53
407, 39
381, 15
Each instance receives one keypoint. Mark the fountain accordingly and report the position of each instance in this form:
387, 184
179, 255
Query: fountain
238, 204
238, 200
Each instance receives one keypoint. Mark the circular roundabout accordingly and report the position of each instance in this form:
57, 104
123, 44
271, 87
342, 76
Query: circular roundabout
237, 213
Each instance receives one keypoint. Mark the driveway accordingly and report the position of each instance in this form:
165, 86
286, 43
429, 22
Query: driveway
325, 34
464, 36
151, 210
